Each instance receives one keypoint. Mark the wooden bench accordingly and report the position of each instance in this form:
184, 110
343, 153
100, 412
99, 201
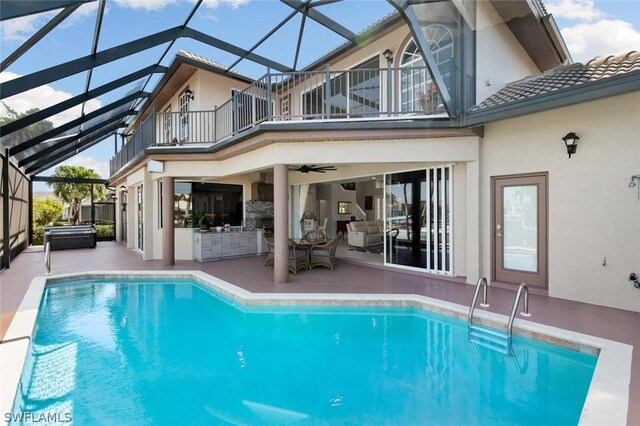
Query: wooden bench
69, 237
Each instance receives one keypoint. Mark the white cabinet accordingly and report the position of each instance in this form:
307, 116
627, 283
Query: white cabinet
216, 245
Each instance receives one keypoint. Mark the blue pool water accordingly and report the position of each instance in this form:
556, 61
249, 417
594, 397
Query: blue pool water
152, 352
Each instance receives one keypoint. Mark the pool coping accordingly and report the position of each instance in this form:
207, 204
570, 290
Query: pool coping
607, 399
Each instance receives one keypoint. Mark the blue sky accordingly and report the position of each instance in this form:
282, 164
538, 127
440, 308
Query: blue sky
590, 28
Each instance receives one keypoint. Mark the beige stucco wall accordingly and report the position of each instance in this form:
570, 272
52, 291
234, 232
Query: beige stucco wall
499, 56
209, 90
592, 212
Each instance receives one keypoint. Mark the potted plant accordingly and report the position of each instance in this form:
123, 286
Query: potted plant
195, 220
204, 222
428, 98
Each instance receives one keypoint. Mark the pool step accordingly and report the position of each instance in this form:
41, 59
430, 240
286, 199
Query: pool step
488, 338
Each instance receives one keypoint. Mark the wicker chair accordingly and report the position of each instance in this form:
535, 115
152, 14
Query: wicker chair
269, 245
322, 230
298, 257
324, 254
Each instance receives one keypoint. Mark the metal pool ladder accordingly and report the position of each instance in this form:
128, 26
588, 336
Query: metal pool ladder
493, 339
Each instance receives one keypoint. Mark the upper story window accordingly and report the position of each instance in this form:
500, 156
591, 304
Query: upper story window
415, 80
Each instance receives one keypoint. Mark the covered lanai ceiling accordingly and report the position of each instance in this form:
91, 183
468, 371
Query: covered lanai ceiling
110, 70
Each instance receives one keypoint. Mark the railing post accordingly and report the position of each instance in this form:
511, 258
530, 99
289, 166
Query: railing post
269, 95
327, 93
389, 91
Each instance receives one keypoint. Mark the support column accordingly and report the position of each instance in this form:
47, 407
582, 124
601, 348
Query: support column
147, 223
168, 235
6, 250
474, 229
281, 223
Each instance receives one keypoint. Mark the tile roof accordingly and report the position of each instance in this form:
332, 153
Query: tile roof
211, 63
564, 77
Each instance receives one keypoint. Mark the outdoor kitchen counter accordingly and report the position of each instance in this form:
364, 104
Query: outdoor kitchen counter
217, 245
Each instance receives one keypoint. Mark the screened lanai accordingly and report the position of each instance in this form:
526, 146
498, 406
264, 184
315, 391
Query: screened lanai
92, 65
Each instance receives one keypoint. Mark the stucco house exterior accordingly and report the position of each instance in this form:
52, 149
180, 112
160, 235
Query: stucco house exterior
452, 123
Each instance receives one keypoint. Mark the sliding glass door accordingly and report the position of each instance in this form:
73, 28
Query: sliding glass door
140, 211
418, 215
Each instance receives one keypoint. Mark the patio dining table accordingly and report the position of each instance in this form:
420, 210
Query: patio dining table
307, 245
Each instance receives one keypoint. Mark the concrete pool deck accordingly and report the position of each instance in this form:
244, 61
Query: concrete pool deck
250, 274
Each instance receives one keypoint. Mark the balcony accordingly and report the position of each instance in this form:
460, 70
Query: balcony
319, 95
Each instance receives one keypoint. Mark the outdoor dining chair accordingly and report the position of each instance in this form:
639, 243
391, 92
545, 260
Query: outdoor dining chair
298, 256
324, 254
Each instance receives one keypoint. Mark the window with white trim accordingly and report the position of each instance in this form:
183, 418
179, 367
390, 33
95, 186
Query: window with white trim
415, 80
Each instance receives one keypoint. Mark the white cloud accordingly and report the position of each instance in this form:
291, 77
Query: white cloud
100, 167
212, 4
144, 4
156, 5
87, 10
20, 29
43, 97
601, 38
582, 10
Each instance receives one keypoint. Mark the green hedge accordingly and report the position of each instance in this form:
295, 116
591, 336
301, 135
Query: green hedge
105, 231
38, 235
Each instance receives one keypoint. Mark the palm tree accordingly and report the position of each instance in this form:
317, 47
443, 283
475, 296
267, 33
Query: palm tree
26, 133
74, 193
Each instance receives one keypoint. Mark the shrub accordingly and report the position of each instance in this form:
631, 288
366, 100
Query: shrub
46, 211
105, 231
38, 235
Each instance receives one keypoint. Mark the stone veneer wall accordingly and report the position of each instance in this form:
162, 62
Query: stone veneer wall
258, 214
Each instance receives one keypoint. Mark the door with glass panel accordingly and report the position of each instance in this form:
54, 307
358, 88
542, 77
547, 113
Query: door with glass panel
520, 229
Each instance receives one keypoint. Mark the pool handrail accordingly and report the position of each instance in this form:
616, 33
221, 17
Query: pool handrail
47, 257
485, 294
522, 289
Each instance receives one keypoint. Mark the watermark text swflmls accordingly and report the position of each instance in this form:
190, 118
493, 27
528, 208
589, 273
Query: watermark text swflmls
29, 417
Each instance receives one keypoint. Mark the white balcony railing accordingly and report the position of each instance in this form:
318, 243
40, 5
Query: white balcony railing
350, 94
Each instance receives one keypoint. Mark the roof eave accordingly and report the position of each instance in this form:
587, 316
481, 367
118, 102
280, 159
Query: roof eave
612, 86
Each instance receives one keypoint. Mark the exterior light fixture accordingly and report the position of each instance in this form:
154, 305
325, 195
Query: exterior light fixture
388, 55
123, 188
189, 94
571, 141
633, 184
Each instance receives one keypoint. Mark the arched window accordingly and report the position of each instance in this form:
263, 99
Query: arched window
415, 80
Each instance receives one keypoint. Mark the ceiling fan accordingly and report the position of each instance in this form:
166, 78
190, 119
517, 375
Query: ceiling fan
313, 168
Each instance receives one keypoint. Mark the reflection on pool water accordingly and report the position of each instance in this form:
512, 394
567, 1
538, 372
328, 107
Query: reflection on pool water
175, 352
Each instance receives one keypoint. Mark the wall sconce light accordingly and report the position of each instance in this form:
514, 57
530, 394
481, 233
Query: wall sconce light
388, 55
634, 184
571, 141
189, 94
123, 188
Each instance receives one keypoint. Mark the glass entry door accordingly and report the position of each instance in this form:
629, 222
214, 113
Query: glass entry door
520, 229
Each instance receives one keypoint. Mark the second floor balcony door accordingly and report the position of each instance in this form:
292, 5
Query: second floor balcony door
183, 102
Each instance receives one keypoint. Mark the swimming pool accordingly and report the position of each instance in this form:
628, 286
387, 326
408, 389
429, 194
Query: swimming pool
177, 352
